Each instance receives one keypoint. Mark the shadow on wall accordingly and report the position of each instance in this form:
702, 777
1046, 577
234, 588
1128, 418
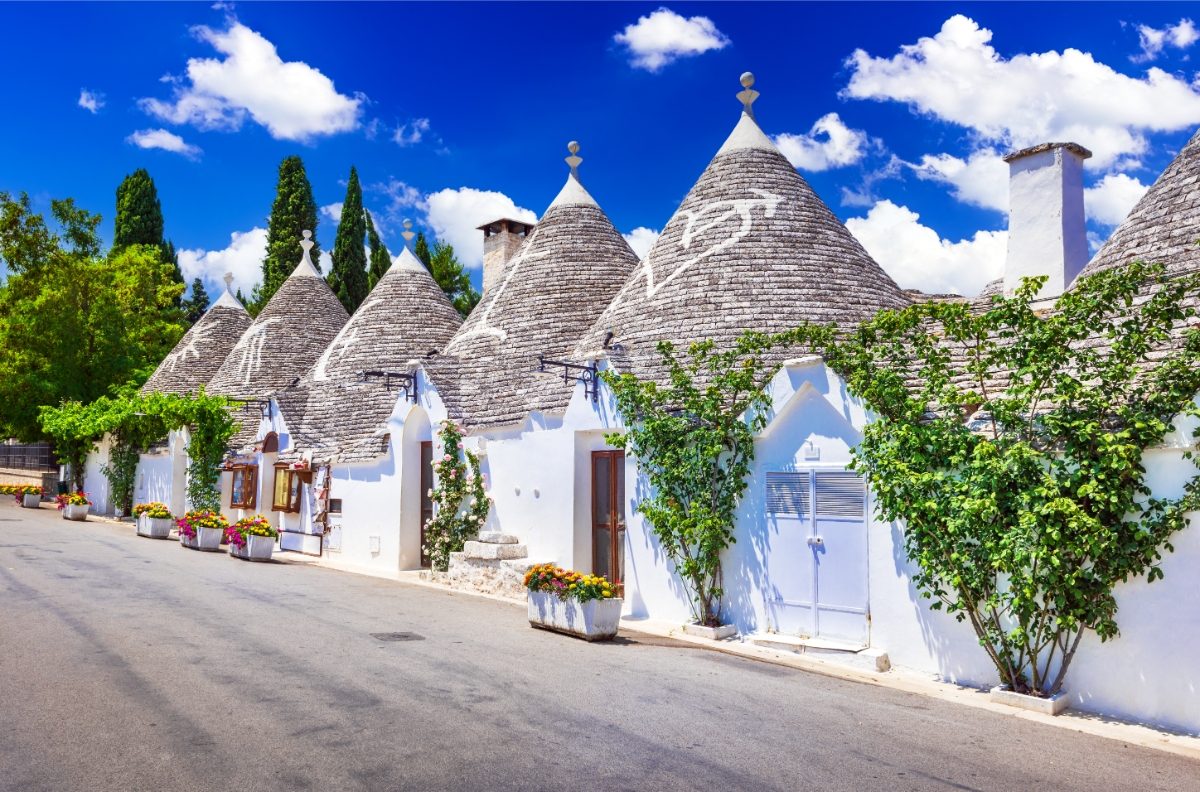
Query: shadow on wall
661, 567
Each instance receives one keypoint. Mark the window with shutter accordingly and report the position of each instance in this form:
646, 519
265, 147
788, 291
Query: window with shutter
840, 493
789, 493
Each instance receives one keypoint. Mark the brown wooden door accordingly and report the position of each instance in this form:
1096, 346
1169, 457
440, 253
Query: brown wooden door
608, 515
426, 486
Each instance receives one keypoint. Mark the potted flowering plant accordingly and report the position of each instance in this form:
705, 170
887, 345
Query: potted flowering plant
571, 602
252, 538
154, 520
28, 495
202, 530
73, 506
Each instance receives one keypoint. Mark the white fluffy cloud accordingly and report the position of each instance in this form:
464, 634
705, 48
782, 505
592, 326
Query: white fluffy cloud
664, 37
411, 133
333, 211
455, 216
162, 139
1109, 200
92, 101
1153, 41
243, 258
957, 76
291, 99
641, 239
829, 144
918, 258
980, 180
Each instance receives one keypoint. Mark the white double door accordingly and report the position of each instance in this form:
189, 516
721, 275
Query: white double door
816, 558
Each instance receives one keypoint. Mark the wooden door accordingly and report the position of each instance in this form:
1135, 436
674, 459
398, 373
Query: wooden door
608, 515
426, 486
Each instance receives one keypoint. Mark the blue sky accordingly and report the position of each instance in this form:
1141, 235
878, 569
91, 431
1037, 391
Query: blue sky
453, 113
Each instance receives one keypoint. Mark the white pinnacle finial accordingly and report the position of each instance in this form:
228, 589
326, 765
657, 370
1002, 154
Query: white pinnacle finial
305, 267
407, 233
574, 160
228, 281
747, 95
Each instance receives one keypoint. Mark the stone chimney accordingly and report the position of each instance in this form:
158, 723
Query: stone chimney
501, 238
1046, 231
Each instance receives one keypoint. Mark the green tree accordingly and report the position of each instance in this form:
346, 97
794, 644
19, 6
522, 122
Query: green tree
450, 274
693, 438
195, 306
421, 250
348, 275
74, 323
139, 219
381, 258
1009, 442
293, 211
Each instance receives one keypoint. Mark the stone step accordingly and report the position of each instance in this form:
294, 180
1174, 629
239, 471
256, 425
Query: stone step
488, 552
843, 652
495, 537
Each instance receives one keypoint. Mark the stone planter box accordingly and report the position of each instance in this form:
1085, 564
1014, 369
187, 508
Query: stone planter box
155, 527
711, 633
1001, 694
258, 548
31, 501
77, 512
595, 620
206, 539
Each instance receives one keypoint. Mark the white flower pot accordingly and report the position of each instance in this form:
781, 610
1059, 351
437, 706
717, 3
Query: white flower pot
155, 527
206, 539
31, 501
77, 512
594, 620
719, 633
1002, 694
258, 548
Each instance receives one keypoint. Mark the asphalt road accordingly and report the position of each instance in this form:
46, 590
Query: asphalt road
134, 664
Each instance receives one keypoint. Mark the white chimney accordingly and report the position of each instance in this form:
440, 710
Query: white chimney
1046, 230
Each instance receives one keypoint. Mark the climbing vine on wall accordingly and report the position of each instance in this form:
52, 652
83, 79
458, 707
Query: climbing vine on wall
693, 437
1008, 443
460, 502
134, 422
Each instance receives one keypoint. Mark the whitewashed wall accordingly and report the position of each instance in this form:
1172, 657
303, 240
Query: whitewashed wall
94, 482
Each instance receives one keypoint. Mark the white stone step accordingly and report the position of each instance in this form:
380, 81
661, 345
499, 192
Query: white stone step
495, 537
846, 652
489, 552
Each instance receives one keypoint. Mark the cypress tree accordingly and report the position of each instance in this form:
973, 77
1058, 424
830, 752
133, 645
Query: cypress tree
421, 250
195, 306
381, 259
293, 211
348, 276
139, 220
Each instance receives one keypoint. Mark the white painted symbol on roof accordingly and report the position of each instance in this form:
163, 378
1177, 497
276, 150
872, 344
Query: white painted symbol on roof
250, 347
342, 342
198, 336
483, 326
705, 218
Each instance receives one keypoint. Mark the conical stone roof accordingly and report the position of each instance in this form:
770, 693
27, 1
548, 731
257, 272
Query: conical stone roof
203, 348
284, 341
564, 274
1164, 226
335, 412
751, 247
